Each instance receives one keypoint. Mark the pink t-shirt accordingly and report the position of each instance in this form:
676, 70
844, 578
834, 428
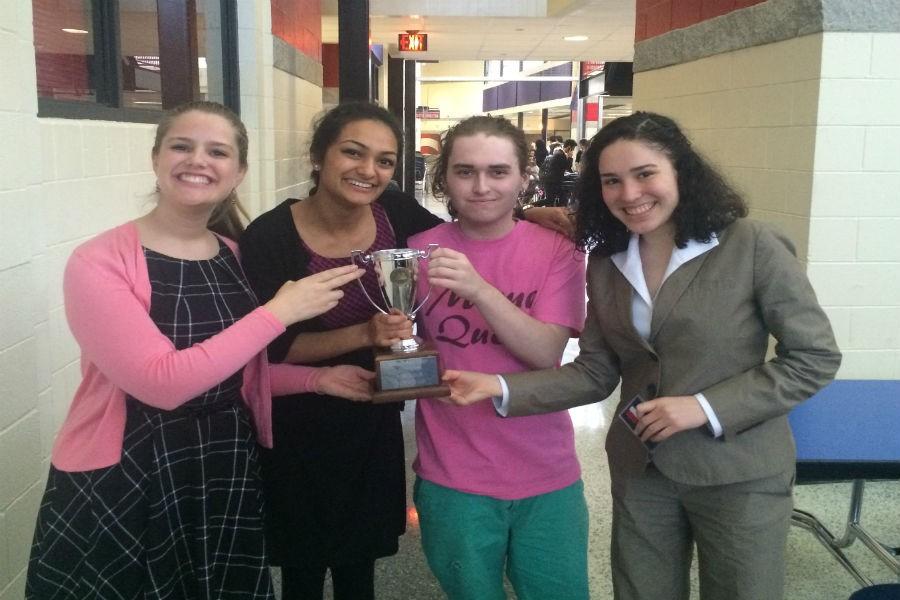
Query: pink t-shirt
472, 449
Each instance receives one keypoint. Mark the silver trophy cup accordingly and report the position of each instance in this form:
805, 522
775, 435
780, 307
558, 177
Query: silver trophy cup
411, 368
397, 270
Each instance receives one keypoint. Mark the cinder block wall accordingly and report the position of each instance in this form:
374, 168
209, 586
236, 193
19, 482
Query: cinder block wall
806, 127
63, 181
854, 239
753, 113
297, 103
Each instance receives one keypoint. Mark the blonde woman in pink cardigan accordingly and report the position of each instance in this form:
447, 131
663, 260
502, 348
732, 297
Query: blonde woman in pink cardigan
154, 489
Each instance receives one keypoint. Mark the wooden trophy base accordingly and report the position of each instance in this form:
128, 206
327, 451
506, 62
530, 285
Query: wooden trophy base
408, 375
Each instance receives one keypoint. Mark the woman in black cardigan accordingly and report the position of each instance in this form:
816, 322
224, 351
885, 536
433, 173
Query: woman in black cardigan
335, 480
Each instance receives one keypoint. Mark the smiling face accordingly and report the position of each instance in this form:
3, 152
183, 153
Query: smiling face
484, 180
640, 186
197, 165
359, 164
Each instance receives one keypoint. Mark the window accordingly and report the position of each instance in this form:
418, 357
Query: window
129, 59
376, 59
510, 67
63, 46
138, 55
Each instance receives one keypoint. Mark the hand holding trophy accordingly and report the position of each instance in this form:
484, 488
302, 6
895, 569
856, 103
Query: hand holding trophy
410, 368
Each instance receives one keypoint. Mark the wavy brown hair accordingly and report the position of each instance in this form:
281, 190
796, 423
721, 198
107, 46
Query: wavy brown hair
707, 204
229, 216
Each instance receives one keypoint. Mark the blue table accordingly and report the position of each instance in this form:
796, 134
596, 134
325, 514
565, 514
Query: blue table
850, 431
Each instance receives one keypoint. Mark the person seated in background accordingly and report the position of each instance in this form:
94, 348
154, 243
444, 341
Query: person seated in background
540, 151
582, 146
557, 164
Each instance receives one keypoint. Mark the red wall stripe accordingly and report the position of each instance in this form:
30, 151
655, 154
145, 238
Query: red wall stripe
299, 23
656, 17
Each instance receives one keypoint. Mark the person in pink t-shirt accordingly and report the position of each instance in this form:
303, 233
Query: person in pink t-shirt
494, 494
154, 488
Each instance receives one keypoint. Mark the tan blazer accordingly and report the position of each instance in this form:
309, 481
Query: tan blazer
709, 333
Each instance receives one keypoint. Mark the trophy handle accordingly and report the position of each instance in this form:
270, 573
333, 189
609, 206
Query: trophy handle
365, 258
425, 255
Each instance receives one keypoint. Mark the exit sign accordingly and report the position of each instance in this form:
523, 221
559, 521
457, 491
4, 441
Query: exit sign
412, 42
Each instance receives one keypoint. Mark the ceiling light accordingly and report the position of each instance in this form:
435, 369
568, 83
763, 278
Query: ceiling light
575, 38
70, 30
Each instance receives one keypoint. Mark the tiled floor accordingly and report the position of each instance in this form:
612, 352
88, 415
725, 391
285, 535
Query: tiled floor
812, 574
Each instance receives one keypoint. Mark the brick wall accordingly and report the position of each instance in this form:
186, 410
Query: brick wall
331, 73
299, 23
655, 17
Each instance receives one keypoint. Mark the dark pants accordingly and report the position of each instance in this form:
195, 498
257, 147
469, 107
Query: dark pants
350, 582
552, 195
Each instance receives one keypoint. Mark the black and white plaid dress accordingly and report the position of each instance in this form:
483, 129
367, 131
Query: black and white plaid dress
180, 517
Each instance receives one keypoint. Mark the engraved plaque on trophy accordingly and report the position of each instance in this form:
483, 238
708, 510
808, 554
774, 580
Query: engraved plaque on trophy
410, 368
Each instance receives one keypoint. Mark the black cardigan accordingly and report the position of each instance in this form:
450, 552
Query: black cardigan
335, 479
272, 252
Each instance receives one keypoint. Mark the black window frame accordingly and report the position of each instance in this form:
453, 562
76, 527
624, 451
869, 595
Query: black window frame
177, 29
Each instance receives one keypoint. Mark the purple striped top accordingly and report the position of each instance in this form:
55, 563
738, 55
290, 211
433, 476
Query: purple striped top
354, 308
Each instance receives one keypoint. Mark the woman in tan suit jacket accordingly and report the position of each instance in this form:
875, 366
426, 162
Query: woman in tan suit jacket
684, 294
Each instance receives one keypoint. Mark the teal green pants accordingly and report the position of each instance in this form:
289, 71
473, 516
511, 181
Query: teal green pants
541, 542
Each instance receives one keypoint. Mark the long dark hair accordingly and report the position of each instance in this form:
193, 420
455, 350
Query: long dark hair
329, 126
229, 216
706, 203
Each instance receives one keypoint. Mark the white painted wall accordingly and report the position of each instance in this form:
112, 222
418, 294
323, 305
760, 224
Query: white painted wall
456, 100
297, 103
854, 242
63, 181
56, 180
257, 71
278, 109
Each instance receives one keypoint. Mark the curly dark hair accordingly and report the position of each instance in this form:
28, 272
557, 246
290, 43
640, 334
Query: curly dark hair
328, 127
707, 204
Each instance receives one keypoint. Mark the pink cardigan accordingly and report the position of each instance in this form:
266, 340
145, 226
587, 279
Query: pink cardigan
107, 301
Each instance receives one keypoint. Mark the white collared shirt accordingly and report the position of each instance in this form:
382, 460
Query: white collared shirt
629, 264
